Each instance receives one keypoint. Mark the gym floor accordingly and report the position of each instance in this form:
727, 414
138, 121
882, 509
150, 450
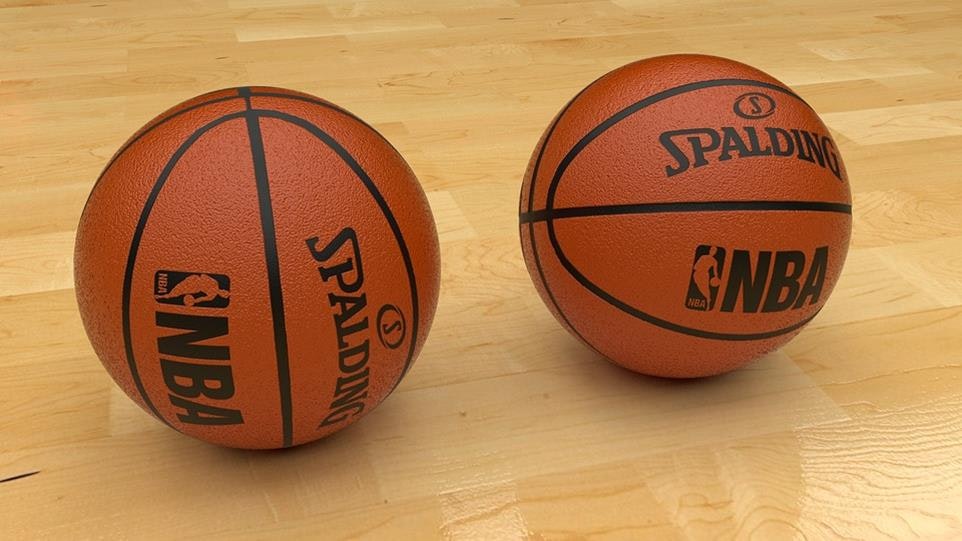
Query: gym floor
506, 427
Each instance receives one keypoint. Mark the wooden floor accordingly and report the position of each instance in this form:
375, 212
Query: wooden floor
507, 427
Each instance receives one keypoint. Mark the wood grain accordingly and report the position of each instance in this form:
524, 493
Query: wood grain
506, 428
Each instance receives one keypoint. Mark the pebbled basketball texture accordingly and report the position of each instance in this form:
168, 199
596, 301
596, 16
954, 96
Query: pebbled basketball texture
685, 214
257, 267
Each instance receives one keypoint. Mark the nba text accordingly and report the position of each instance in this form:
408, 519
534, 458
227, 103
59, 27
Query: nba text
340, 260
696, 147
765, 281
201, 369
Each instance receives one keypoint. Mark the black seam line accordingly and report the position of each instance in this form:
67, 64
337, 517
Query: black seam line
366, 179
21, 476
316, 101
135, 246
591, 136
699, 206
245, 92
531, 233
639, 105
147, 130
331, 106
547, 137
249, 93
381, 202
164, 120
273, 274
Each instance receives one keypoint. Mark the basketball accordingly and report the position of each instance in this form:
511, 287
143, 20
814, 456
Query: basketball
257, 268
685, 214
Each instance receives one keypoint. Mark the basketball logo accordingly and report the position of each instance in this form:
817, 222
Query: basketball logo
705, 278
754, 105
192, 289
390, 326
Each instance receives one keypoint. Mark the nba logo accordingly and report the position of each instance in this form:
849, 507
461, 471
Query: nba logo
706, 270
192, 289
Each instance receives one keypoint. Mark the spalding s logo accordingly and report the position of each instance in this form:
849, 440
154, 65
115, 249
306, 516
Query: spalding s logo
754, 105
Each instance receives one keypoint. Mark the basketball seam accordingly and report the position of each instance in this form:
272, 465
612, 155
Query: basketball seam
275, 289
684, 206
531, 232
147, 130
135, 246
316, 101
365, 179
250, 93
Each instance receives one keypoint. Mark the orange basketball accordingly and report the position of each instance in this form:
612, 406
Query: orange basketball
257, 267
685, 214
